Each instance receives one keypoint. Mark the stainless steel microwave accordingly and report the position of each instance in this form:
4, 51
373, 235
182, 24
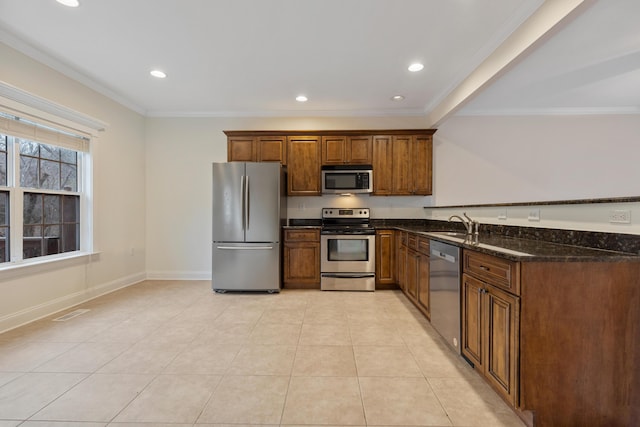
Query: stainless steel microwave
347, 179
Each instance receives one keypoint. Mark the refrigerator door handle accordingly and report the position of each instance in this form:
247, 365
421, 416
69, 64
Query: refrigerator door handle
242, 199
247, 208
244, 248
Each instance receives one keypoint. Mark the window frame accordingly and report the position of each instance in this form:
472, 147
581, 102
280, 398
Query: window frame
16, 205
15, 101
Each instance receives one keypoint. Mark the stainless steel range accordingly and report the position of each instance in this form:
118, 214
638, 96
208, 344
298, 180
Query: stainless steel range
348, 248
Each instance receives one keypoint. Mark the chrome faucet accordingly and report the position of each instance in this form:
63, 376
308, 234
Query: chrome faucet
471, 225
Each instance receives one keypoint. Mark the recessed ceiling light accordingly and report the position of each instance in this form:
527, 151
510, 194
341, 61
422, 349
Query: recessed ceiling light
416, 67
397, 98
70, 3
301, 98
159, 74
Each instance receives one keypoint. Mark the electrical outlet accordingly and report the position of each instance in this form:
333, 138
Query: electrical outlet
502, 214
534, 215
620, 216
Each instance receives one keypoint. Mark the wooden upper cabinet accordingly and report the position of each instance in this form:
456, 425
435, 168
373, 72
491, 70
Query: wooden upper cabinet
272, 149
334, 150
422, 155
402, 165
303, 166
257, 149
338, 150
382, 165
360, 150
401, 159
241, 149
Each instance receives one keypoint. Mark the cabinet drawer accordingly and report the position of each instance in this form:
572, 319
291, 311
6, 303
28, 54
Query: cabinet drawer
403, 238
412, 241
302, 235
423, 245
497, 271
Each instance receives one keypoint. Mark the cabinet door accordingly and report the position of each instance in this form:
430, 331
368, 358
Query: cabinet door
241, 149
402, 182
401, 260
385, 257
422, 165
413, 259
272, 149
423, 284
360, 150
382, 165
472, 322
501, 319
303, 160
302, 263
334, 150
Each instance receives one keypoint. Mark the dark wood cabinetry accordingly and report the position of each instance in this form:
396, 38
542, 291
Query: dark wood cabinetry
301, 258
402, 165
413, 269
303, 171
338, 150
401, 159
382, 165
257, 149
491, 320
385, 259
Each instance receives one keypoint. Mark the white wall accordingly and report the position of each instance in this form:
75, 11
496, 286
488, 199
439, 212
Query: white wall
179, 156
483, 160
119, 202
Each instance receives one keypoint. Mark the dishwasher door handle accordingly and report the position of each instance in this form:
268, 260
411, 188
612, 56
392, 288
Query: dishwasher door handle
446, 257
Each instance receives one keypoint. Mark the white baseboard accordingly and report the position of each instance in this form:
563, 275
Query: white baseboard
48, 308
179, 275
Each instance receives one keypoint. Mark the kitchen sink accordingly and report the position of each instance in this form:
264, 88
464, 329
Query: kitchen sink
452, 235
476, 241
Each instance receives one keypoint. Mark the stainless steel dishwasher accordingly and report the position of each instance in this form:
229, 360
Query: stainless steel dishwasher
444, 291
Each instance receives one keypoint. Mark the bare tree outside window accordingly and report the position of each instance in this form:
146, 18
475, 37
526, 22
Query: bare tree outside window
51, 222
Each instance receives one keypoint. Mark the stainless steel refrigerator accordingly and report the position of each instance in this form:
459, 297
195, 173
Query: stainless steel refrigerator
249, 208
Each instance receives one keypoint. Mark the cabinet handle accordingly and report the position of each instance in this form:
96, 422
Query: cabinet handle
485, 268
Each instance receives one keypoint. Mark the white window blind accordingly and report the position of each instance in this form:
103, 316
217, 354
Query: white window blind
24, 128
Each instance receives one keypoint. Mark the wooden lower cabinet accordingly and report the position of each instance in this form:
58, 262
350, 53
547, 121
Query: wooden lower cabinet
401, 259
490, 334
301, 258
423, 286
385, 259
412, 266
413, 260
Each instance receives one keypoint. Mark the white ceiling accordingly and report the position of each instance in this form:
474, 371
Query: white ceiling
252, 57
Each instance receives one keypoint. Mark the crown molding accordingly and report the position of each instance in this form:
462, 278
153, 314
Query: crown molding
23, 102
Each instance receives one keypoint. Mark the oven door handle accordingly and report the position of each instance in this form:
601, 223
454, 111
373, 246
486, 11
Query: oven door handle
348, 276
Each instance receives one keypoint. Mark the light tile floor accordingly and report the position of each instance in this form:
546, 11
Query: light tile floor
174, 353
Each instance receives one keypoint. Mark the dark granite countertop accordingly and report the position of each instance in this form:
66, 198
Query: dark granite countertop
518, 243
517, 249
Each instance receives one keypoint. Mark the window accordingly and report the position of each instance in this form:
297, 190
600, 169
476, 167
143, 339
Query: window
43, 181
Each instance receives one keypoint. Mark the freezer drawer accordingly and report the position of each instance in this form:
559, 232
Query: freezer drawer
246, 267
